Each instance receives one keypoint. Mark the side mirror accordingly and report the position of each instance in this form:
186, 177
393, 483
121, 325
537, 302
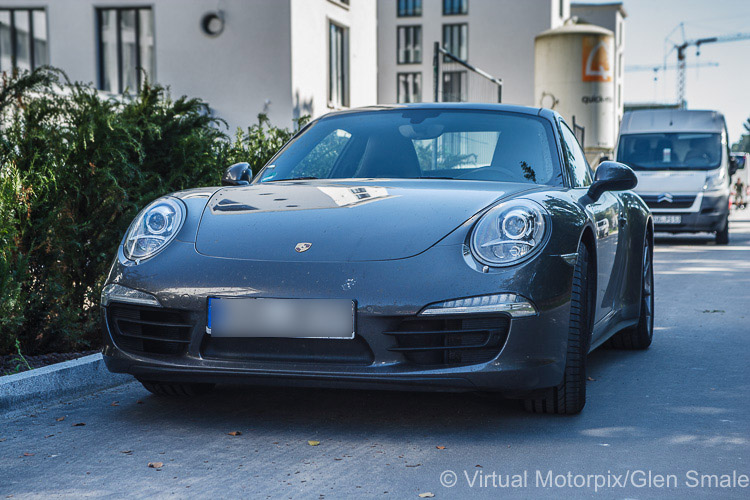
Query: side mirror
741, 162
239, 174
611, 176
734, 165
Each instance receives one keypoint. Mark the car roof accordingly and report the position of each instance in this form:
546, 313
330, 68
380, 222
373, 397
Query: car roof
671, 120
508, 108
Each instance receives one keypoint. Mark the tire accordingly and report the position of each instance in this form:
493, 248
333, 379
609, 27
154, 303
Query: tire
176, 389
722, 236
569, 397
640, 336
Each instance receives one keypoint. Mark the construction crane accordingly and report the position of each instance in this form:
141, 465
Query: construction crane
664, 67
681, 49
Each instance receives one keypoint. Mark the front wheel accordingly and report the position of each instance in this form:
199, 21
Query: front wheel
722, 236
570, 396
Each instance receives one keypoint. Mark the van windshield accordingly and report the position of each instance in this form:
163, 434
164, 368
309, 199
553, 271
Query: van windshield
700, 151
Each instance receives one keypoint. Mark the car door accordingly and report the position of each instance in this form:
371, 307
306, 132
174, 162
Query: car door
606, 213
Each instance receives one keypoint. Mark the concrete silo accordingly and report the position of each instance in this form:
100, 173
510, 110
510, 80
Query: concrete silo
574, 75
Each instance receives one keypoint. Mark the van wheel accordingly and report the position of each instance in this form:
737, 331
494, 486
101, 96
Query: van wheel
569, 397
722, 236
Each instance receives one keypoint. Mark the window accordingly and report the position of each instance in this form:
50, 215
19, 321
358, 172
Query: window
671, 151
409, 44
455, 38
454, 86
409, 87
416, 143
409, 8
453, 7
23, 39
579, 168
320, 161
126, 48
338, 65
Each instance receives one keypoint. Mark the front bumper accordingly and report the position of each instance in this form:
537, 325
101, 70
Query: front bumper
531, 354
711, 217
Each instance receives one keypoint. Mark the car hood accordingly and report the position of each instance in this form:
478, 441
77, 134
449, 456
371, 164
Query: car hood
360, 220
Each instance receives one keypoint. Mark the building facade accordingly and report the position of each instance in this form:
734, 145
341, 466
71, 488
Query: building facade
287, 58
496, 36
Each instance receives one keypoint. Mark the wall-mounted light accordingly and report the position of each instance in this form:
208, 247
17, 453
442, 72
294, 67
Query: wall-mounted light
212, 23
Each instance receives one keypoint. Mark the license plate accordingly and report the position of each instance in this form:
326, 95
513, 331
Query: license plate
280, 318
667, 219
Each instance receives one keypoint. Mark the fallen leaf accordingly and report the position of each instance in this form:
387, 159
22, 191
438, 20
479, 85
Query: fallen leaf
591, 379
60, 419
234, 433
156, 465
440, 447
313, 443
48, 436
479, 466
79, 424
127, 452
139, 402
426, 495
415, 465
28, 454
115, 403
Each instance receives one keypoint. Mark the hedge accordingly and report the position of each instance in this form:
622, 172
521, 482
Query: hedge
75, 168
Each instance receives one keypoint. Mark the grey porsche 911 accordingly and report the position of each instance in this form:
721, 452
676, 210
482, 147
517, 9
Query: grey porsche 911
455, 247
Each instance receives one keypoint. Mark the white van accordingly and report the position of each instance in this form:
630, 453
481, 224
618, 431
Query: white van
682, 161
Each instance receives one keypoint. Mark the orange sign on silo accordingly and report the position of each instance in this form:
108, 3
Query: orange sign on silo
596, 60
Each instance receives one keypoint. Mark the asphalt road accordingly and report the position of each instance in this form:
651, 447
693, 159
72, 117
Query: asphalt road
677, 411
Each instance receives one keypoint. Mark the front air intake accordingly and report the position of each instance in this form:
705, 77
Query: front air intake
149, 330
450, 341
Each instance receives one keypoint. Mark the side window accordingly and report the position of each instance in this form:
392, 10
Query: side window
579, 167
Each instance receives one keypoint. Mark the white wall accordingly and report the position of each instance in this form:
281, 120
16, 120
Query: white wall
501, 42
272, 55
236, 72
309, 39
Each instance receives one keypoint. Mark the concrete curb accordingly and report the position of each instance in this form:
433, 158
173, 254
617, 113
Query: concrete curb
58, 382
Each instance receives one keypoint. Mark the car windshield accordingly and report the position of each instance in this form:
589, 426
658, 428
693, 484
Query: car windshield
683, 151
421, 144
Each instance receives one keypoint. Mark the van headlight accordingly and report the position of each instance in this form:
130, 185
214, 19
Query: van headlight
154, 228
715, 179
509, 233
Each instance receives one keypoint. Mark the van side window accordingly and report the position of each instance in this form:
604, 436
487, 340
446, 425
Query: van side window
579, 167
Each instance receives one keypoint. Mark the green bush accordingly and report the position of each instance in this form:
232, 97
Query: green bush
75, 168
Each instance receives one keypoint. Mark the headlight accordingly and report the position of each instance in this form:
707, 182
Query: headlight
715, 179
509, 233
154, 228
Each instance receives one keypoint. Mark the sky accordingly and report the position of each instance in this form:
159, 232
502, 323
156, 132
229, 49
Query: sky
725, 88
